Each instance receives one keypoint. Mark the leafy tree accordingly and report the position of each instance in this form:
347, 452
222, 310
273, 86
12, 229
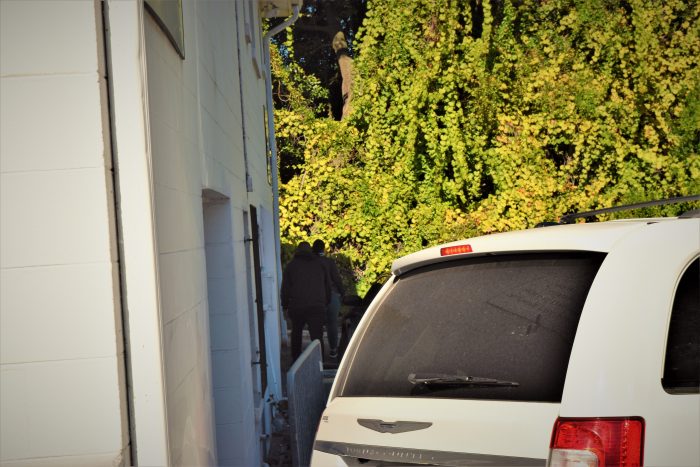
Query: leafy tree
490, 116
313, 34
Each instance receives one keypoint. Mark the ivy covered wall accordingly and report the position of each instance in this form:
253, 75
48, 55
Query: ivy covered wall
484, 116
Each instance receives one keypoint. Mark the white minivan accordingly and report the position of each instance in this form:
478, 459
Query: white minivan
569, 345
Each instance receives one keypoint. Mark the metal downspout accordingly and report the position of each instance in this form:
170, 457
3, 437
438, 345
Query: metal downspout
273, 143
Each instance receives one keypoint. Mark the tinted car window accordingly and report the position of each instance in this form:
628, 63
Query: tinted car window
509, 317
682, 366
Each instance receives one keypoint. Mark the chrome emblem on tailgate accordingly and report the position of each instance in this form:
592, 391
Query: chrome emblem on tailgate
392, 427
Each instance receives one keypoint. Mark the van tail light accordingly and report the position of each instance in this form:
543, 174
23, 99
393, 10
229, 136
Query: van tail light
455, 250
601, 442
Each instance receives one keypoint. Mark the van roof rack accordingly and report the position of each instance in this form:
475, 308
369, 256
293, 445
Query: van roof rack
569, 218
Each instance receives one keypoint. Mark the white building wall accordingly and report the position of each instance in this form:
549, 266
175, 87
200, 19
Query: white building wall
62, 398
177, 185
197, 123
254, 103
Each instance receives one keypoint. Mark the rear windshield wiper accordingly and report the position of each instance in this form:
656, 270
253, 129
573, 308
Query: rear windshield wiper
439, 379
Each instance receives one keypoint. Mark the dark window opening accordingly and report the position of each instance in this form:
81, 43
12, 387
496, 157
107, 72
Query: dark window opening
262, 348
682, 365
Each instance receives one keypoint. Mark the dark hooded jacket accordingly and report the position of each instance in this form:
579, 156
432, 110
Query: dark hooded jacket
332, 271
305, 282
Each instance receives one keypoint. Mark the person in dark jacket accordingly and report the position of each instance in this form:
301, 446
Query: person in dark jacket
337, 292
305, 294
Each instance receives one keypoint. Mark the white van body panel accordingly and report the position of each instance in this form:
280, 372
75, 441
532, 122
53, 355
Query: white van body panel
615, 368
576, 237
513, 429
617, 360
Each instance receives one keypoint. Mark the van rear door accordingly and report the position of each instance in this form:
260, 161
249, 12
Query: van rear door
461, 362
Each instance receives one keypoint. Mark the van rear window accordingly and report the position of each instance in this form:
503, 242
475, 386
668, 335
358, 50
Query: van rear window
495, 327
682, 365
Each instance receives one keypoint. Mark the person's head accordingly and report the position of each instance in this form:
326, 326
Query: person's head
319, 247
303, 247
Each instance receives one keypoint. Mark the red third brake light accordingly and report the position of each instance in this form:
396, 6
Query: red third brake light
455, 250
602, 442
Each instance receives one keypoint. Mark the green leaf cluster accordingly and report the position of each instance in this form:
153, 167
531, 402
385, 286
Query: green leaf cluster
486, 116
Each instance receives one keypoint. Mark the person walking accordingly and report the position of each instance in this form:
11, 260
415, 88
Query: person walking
337, 293
305, 294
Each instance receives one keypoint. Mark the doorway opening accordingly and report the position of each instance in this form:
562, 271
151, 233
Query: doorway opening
224, 330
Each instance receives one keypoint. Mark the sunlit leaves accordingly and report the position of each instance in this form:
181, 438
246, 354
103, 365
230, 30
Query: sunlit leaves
484, 116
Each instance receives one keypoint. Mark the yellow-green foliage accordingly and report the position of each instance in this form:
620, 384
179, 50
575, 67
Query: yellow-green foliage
463, 125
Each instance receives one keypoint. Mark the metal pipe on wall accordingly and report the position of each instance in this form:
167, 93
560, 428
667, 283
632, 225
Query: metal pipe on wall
273, 144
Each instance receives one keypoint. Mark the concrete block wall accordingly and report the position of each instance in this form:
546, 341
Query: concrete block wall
253, 92
253, 84
63, 398
62, 394
180, 240
198, 107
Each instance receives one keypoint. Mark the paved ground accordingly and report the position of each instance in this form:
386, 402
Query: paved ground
280, 454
